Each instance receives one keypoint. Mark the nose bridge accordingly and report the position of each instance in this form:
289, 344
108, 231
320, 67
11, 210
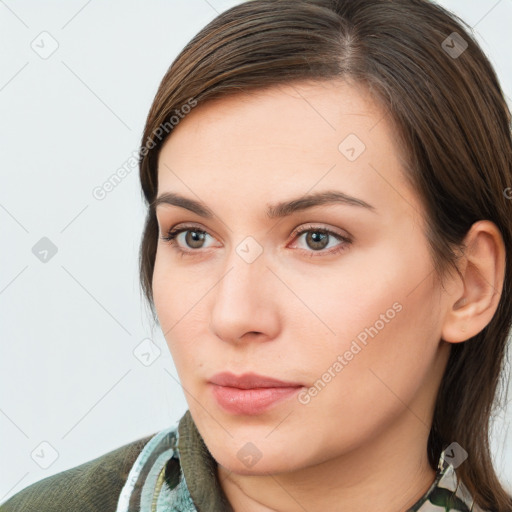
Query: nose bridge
245, 269
242, 301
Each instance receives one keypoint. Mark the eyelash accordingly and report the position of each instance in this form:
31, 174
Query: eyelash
174, 232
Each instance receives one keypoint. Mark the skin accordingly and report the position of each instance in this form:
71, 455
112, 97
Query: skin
361, 442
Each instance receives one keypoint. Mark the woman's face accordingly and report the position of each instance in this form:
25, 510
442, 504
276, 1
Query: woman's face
348, 310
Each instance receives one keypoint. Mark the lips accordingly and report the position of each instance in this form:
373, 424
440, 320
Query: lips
250, 393
250, 381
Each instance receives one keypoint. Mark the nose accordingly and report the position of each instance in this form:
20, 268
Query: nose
245, 303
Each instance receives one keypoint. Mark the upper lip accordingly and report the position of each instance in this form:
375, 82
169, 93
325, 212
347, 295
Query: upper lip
250, 381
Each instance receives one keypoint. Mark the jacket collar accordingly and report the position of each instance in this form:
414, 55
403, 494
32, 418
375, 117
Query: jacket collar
199, 469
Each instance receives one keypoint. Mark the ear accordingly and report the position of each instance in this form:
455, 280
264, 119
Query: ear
482, 266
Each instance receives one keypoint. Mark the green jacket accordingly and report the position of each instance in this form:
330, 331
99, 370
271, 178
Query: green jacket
173, 471
160, 460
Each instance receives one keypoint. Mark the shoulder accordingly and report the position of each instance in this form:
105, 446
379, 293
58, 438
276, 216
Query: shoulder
92, 486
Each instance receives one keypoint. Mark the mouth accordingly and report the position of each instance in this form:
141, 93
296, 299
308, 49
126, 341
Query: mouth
250, 394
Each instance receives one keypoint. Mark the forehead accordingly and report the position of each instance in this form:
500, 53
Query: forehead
305, 109
287, 139
289, 122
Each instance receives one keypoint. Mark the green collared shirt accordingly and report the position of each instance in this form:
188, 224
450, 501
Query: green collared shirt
173, 471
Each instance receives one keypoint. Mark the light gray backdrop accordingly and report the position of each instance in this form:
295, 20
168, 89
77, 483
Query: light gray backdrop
76, 82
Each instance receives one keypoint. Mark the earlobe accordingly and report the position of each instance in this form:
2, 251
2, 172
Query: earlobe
482, 267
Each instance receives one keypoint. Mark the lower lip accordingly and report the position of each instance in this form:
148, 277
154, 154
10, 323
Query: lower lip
250, 401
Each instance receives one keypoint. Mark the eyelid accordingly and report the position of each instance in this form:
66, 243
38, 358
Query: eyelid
319, 227
179, 228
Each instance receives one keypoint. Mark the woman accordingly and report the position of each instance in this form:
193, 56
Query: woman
325, 251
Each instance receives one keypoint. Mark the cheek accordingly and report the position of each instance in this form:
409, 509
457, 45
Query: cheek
180, 302
168, 300
380, 362
173, 289
387, 328
375, 294
162, 297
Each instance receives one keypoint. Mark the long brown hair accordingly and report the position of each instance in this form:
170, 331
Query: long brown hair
445, 101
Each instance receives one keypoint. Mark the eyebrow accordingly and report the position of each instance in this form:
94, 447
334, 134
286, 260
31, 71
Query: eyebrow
278, 210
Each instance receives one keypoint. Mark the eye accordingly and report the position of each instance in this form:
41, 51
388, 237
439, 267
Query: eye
194, 238
317, 238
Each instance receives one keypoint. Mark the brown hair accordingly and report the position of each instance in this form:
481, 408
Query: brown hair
449, 111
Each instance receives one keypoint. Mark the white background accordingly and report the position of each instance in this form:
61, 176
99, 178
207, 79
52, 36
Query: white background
68, 375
